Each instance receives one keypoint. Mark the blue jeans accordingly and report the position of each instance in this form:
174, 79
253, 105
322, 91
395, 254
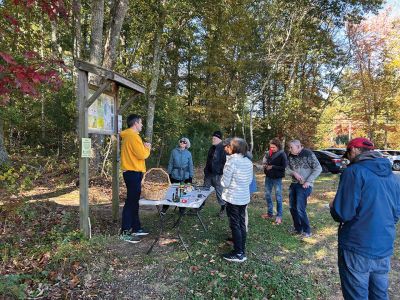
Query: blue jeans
363, 278
269, 184
298, 204
130, 212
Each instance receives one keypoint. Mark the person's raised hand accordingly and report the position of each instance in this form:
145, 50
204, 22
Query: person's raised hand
298, 177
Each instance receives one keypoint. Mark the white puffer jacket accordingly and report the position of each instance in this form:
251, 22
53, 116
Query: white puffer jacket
237, 176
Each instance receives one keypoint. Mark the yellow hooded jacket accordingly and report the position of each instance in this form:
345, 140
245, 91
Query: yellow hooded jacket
133, 152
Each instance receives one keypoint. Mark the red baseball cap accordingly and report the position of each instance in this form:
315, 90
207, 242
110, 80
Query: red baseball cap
361, 143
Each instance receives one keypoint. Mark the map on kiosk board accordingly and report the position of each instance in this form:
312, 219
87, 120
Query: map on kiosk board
101, 114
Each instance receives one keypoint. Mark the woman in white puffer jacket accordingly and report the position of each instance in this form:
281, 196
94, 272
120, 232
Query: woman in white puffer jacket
237, 176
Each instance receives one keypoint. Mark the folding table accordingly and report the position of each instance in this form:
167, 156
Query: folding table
192, 200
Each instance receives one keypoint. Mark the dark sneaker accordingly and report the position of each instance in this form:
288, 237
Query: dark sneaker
221, 213
164, 210
236, 257
127, 237
140, 232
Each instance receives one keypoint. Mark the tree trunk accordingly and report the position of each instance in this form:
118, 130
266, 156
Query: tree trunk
243, 125
251, 127
160, 154
385, 138
42, 118
55, 45
155, 74
56, 50
3, 152
96, 58
350, 131
189, 82
96, 36
76, 11
118, 13
42, 111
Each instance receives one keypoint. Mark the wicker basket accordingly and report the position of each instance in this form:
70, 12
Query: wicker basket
155, 190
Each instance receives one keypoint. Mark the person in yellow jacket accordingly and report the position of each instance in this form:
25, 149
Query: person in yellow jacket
133, 155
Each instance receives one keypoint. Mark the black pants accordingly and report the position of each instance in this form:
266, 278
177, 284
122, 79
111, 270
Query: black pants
237, 216
130, 212
215, 181
181, 209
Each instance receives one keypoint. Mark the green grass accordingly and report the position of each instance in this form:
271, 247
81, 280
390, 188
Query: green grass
39, 239
279, 265
273, 269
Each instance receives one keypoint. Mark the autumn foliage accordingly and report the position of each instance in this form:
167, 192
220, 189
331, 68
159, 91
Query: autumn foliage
28, 76
25, 72
52, 8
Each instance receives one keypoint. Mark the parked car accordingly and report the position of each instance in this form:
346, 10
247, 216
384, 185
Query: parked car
337, 151
395, 154
330, 162
389, 155
392, 155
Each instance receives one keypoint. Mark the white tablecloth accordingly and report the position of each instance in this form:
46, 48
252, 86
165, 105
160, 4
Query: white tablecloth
194, 199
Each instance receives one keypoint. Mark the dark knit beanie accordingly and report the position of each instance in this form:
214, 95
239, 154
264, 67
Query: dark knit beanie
218, 134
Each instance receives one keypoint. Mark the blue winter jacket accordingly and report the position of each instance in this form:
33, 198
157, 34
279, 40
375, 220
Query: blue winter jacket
367, 204
180, 164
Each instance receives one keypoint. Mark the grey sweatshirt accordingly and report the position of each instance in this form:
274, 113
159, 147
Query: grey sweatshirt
306, 164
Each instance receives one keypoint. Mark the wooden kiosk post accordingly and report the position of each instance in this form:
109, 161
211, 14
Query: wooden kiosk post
115, 80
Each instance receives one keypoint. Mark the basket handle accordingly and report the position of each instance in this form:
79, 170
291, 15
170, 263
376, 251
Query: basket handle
159, 169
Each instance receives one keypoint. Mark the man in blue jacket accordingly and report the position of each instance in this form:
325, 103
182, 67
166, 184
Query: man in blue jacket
367, 205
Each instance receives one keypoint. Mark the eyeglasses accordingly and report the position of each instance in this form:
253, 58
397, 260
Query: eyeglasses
183, 142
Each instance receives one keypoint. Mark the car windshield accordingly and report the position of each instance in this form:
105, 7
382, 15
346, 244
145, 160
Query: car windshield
330, 154
338, 151
392, 152
384, 152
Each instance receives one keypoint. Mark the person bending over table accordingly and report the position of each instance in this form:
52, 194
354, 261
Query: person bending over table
180, 166
236, 178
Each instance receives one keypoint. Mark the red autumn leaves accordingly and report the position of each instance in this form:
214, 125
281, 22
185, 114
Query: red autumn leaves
27, 76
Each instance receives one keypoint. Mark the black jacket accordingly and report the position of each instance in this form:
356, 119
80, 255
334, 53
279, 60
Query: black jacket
279, 163
216, 159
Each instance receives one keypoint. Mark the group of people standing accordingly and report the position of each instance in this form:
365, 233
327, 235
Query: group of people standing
230, 171
367, 203
304, 168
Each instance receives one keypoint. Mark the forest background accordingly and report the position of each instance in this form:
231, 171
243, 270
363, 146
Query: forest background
316, 70
322, 71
